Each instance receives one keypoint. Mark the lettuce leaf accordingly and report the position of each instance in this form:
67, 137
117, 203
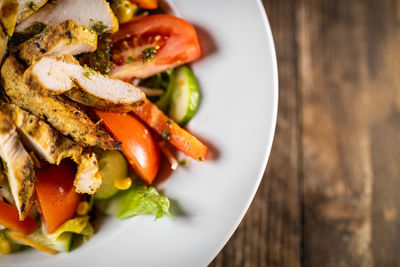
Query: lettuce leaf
138, 200
78, 225
61, 239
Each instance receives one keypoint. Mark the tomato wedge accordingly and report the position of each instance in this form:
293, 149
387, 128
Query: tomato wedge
137, 143
152, 44
55, 194
9, 218
146, 4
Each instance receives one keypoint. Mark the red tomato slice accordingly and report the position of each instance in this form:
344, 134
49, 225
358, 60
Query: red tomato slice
146, 4
152, 44
55, 194
9, 218
137, 143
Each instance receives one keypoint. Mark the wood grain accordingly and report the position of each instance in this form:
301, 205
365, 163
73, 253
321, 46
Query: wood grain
330, 195
337, 165
384, 108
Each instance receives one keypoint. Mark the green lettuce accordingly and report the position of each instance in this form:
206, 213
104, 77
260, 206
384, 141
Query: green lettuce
61, 239
78, 225
138, 200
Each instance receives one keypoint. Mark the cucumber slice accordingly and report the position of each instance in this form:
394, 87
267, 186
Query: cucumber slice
63, 242
112, 165
14, 246
185, 96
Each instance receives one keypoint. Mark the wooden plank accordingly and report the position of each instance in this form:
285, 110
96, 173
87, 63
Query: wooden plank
337, 184
383, 28
269, 234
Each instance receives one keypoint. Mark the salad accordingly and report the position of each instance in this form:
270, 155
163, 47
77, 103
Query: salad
94, 95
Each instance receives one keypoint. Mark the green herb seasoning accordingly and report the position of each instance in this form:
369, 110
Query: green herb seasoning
31, 5
99, 27
88, 72
85, 98
183, 162
166, 135
129, 59
19, 38
100, 60
36, 28
148, 54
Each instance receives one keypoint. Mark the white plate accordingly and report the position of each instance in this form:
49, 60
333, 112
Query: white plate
238, 79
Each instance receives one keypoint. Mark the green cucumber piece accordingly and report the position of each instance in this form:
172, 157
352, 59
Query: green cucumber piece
13, 245
112, 166
63, 242
185, 96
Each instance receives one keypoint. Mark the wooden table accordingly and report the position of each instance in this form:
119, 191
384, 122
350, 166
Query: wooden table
331, 192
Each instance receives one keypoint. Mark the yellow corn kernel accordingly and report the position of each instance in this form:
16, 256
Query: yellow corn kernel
83, 208
5, 247
123, 183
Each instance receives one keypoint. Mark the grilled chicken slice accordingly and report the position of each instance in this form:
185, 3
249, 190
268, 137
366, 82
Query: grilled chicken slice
61, 39
3, 44
95, 14
51, 75
45, 141
8, 16
18, 167
88, 178
5, 191
59, 112
2, 175
28, 7
53, 147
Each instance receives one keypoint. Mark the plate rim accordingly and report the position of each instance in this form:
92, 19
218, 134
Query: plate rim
270, 138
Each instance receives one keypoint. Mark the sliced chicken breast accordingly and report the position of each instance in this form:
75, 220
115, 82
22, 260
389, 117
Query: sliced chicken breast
28, 7
40, 137
18, 167
8, 16
3, 44
64, 38
88, 178
53, 147
51, 75
59, 112
95, 14
5, 191
2, 174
